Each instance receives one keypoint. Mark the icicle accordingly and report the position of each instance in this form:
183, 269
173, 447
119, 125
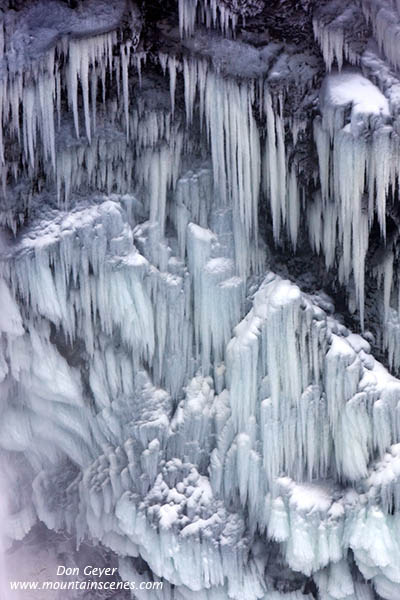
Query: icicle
1, 39
190, 80
58, 96
29, 124
293, 207
125, 59
172, 68
139, 57
333, 26
74, 60
163, 59
271, 170
357, 166
84, 78
331, 42
235, 152
83, 55
387, 283
93, 97
385, 24
216, 14
187, 17
46, 97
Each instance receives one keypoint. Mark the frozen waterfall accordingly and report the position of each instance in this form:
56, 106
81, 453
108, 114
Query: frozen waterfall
199, 295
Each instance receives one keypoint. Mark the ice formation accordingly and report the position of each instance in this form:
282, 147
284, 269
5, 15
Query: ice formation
177, 385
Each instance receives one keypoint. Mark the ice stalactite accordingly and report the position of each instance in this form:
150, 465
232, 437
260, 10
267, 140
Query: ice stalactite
218, 294
373, 136
336, 582
279, 179
77, 67
215, 13
35, 93
82, 164
226, 107
243, 163
82, 57
357, 165
311, 399
187, 16
194, 199
63, 263
384, 15
110, 163
210, 13
326, 409
235, 151
104, 160
391, 337
334, 24
119, 439
163, 528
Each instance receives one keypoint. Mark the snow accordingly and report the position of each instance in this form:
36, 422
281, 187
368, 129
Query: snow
350, 87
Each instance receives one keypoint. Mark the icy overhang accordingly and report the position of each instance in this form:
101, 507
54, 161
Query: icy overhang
351, 90
234, 57
31, 32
